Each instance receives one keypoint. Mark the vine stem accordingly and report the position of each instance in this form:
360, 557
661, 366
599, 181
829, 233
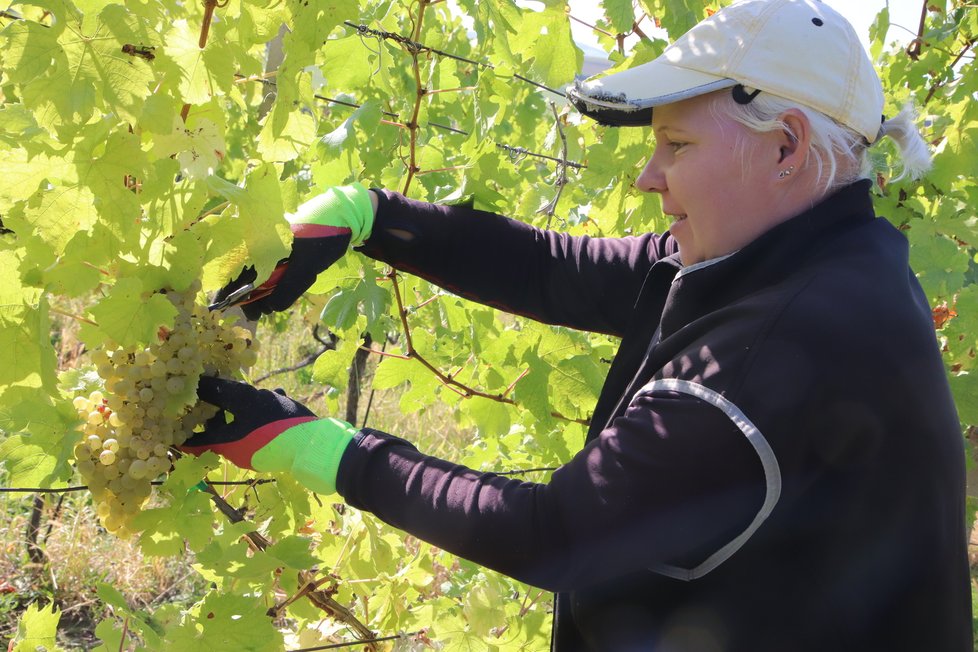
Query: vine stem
453, 90
412, 124
550, 209
916, 45
587, 24
72, 316
308, 586
253, 78
96, 268
453, 168
205, 28
125, 632
938, 84
448, 380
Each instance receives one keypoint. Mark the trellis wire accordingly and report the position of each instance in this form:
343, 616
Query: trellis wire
516, 153
336, 646
421, 47
216, 483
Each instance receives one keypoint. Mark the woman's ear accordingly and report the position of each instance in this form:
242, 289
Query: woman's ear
795, 140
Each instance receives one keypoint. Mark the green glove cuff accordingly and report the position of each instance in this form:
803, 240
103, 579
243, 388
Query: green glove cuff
343, 206
311, 451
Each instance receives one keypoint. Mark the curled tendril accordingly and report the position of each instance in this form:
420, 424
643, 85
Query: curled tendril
517, 154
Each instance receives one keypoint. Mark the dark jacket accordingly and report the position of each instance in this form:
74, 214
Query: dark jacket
774, 463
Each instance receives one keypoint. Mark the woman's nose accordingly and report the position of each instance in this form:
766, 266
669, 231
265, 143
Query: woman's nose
651, 179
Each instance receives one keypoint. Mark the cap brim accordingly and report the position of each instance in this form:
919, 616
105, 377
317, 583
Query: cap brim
626, 98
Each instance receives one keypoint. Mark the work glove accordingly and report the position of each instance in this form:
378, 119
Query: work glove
271, 432
323, 228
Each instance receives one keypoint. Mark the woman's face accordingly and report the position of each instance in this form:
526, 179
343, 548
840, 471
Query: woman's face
722, 196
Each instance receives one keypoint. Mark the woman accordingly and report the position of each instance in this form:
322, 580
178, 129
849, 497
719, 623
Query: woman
774, 462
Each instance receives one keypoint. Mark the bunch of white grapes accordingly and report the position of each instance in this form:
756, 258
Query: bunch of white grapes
149, 404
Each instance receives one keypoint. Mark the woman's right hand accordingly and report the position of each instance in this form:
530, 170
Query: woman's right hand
323, 228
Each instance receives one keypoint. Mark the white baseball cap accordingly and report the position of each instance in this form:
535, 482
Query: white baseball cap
801, 50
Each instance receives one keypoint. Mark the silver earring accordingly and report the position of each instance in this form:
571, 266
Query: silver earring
784, 173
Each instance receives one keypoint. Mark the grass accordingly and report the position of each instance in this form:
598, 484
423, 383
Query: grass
77, 555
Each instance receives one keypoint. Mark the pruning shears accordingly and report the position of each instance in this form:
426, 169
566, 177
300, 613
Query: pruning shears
249, 292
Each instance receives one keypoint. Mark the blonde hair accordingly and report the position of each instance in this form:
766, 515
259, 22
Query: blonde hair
839, 153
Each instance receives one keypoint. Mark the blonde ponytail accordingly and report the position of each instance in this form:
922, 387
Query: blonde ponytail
914, 153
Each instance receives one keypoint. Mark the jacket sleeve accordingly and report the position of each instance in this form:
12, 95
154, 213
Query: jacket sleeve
580, 282
672, 485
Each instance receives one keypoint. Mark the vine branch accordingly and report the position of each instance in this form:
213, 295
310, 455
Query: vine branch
308, 586
448, 380
940, 83
415, 49
550, 209
916, 46
205, 28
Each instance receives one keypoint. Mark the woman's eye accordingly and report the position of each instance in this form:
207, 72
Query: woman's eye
676, 146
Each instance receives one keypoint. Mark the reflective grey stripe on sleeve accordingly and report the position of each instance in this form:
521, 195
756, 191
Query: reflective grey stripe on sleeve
769, 462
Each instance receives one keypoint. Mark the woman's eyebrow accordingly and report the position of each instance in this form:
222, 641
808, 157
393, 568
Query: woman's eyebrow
671, 129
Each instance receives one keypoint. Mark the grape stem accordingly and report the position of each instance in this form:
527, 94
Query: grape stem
71, 316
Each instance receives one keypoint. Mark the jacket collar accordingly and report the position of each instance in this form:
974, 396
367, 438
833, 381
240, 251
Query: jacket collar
702, 288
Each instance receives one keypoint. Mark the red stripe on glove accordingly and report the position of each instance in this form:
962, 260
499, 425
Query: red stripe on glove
318, 230
242, 450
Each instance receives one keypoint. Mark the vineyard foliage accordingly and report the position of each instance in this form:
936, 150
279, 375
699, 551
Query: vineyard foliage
150, 143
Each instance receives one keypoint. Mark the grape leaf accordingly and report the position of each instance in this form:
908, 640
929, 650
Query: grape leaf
111, 596
287, 133
24, 330
37, 629
293, 551
332, 367
21, 174
40, 436
203, 74
620, 14
545, 38
55, 215
364, 119
255, 233
130, 315
937, 260
84, 69
198, 146
226, 622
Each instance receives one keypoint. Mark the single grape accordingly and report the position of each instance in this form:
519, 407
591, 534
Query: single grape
137, 469
175, 384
